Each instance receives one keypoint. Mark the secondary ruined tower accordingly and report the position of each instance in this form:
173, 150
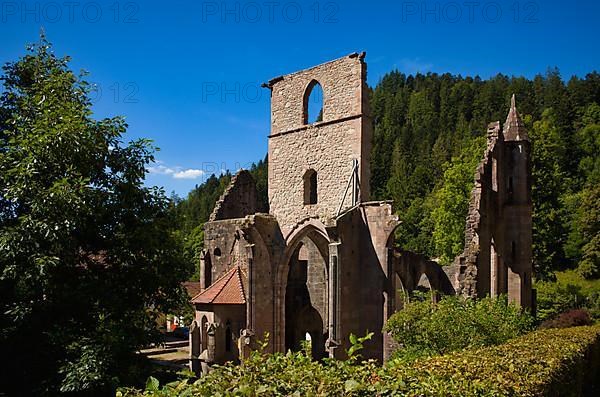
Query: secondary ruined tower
517, 214
498, 241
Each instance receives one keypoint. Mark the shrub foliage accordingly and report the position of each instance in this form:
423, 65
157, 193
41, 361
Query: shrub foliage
552, 362
425, 328
570, 291
571, 318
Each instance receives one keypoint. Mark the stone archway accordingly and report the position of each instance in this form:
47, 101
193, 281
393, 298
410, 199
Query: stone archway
303, 281
306, 299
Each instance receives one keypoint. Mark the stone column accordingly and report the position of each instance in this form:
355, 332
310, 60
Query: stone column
389, 301
203, 254
250, 299
515, 287
247, 334
494, 282
194, 344
333, 299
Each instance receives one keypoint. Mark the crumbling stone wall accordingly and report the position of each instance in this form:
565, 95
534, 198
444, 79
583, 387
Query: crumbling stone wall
411, 267
342, 81
328, 146
238, 200
466, 271
224, 245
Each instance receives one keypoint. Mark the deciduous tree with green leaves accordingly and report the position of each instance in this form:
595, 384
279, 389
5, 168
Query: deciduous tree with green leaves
452, 202
87, 258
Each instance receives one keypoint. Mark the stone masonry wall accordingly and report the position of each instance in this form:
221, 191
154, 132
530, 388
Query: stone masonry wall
238, 200
329, 150
464, 272
342, 83
225, 246
328, 147
497, 254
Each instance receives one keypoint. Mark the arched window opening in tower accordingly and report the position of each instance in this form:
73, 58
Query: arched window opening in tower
513, 251
313, 103
310, 187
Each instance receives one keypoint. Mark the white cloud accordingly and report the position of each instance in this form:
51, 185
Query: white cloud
175, 172
161, 170
188, 174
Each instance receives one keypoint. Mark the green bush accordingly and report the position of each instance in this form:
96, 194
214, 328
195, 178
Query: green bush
454, 323
552, 362
569, 291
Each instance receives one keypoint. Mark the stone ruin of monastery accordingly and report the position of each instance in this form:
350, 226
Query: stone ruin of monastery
322, 264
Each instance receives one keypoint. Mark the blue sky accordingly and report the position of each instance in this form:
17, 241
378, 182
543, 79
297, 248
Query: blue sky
187, 74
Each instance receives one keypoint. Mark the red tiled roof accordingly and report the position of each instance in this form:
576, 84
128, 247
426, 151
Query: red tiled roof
192, 287
227, 290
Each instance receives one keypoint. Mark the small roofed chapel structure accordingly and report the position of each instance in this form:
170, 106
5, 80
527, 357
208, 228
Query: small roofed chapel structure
322, 263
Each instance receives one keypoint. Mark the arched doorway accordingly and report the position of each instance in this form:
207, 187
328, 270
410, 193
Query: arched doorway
306, 298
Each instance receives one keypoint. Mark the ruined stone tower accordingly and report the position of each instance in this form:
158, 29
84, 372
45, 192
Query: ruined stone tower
326, 150
517, 216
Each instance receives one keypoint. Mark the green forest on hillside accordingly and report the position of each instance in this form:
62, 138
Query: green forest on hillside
429, 137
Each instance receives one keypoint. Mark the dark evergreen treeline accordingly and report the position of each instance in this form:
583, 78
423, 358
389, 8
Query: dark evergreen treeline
429, 137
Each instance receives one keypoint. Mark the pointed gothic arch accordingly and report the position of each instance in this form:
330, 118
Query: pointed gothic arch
312, 105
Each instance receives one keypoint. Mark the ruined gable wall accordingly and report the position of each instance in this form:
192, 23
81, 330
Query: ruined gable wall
238, 200
328, 147
315, 148
498, 242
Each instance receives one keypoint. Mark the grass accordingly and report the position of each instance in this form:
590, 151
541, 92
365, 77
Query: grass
572, 277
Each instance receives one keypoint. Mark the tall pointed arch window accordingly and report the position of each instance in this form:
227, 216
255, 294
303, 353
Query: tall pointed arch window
313, 103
